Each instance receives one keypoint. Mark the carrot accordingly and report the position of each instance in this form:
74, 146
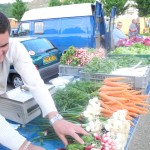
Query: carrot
116, 84
118, 98
114, 93
138, 107
129, 117
105, 115
131, 123
143, 97
141, 103
108, 98
106, 111
134, 110
132, 97
109, 88
133, 114
114, 79
134, 92
104, 105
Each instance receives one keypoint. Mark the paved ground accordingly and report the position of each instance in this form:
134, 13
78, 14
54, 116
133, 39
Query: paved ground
140, 140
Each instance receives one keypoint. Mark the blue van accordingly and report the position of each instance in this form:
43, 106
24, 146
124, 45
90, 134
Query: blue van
79, 25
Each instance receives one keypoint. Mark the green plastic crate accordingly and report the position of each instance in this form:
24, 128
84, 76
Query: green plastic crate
66, 70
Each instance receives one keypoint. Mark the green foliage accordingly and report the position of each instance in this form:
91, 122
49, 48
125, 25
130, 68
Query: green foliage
6, 9
88, 140
67, 2
100, 66
83, 1
119, 4
143, 7
18, 9
55, 3
75, 94
69, 55
75, 146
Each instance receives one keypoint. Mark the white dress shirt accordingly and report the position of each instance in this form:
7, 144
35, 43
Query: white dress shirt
19, 57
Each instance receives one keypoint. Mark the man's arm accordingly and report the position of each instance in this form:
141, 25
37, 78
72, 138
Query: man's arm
10, 137
31, 77
121, 35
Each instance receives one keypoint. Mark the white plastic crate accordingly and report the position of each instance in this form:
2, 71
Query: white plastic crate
136, 82
66, 70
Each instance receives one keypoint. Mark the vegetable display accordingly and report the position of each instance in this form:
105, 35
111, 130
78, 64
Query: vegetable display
135, 49
75, 94
106, 110
119, 95
108, 65
132, 40
79, 57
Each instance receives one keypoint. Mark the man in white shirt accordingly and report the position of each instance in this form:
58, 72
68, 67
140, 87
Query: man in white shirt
13, 52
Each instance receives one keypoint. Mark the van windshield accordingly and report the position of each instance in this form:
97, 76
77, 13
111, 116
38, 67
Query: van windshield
38, 45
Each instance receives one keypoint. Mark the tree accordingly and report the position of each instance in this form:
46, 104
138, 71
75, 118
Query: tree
55, 3
119, 4
18, 9
6, 9
143, 6
67, 2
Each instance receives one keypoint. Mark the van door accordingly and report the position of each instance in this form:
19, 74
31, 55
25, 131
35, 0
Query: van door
23, 29
99, 26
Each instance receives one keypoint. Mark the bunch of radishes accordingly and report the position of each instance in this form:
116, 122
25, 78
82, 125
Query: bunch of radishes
100, 53
107, 143
80, 57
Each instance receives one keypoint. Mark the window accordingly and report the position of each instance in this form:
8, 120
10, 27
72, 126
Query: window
24, 29
38, 45
38, 27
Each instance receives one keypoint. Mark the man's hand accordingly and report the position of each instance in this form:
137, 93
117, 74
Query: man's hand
63, 127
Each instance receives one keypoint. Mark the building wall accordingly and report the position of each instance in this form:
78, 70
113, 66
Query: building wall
13, 22
127, 21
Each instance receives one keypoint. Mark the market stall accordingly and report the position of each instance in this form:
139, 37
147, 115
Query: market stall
106, 95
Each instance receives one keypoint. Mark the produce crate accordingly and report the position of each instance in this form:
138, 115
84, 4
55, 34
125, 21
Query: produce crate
136, 82
66, 70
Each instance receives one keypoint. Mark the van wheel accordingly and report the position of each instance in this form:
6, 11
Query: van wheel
17, 81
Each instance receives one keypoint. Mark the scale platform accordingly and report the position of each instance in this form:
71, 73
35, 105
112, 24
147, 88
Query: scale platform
19, 105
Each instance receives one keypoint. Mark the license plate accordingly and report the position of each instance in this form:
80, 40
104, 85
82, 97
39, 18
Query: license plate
49, 59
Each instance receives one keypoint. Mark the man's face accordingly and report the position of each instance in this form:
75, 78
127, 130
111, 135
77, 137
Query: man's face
119, 25
4, 44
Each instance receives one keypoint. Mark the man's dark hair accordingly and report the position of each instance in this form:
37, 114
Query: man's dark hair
4, 23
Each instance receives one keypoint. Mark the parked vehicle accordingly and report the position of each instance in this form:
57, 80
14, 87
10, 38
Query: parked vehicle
79, 25
45, 57
13, 31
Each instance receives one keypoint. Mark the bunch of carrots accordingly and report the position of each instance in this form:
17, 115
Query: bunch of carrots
116, 95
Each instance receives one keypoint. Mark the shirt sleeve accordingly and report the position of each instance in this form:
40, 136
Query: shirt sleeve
121, 35
23, 65
117, 35
10, 137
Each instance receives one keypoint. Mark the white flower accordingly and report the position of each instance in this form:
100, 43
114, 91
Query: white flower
108, 127
88, 129
85, 114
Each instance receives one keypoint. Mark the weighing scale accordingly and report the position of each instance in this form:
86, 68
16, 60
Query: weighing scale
18, 105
